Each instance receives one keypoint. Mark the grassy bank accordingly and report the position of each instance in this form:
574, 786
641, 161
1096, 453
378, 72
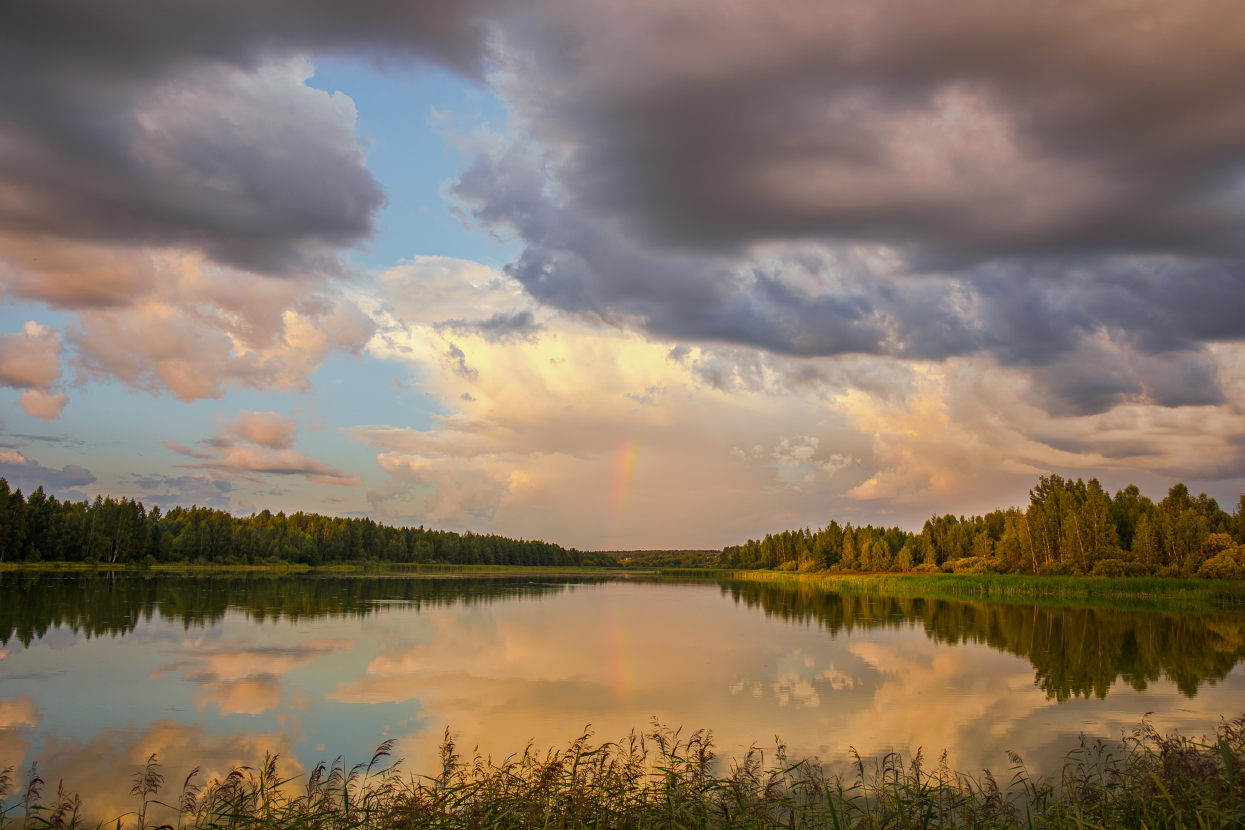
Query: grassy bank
1192, 593
663, 779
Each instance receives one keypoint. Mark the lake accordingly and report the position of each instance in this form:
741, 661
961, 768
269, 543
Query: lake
97, 672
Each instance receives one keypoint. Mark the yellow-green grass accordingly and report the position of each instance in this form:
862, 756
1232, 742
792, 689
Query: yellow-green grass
1132, 591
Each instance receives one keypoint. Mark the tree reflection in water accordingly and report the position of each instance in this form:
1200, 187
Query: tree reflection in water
1075, 651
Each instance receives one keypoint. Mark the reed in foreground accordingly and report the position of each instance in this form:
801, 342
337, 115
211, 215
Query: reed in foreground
662, 779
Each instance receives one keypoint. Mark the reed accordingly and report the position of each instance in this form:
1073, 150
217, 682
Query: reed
1192, 592
663, 779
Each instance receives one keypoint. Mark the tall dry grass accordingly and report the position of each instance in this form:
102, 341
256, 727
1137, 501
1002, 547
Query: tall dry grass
663, 779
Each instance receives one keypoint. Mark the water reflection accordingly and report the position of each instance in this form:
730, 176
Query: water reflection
31, 604
1074, 651
98, 673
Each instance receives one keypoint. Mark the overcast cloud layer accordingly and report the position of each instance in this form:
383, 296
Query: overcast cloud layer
1034, 181
878, 208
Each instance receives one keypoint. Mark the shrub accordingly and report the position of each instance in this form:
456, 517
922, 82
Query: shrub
1222, 566
1119, 567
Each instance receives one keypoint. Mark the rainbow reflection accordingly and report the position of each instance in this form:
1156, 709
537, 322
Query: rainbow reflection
622, 668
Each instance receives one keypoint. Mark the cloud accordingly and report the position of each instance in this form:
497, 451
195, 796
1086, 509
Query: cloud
30, 361
242, 679
808, 298
897, 124
101, 767
794, 454
205, 489
190, 202
501, 327
18, 711
200, 133
446, 490
29, 474
201, 331
867, 437
796, 461
252, 463
38, 404
969, 427
267, 429
537, 424
258, 444
48, 439
837, 461
833, 180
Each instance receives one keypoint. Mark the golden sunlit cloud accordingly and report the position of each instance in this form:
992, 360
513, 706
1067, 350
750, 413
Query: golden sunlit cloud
569, 428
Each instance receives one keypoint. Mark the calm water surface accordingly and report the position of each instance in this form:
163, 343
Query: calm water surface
97, 673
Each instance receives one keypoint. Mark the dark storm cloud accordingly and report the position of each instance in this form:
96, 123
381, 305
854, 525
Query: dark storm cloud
962, 129
147, 39
1060, 185
1092, 331
186, 124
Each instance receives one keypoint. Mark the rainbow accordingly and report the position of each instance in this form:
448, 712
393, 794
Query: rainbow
624, 475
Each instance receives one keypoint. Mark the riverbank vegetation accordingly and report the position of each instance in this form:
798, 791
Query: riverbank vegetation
1150, 593
1070, 528
663, 779
41, 528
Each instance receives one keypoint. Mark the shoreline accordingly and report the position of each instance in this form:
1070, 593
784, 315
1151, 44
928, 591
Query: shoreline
1005, 587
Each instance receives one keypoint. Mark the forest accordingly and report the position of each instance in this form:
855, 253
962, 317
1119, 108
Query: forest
1069, 528
40, 528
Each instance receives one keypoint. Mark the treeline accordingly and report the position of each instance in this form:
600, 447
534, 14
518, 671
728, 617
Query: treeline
1069, 528
39, 527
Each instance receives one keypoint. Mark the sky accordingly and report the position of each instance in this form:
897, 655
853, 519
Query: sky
621, 275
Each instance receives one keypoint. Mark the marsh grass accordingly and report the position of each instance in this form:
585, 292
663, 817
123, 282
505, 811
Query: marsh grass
663, 779
1190, 594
